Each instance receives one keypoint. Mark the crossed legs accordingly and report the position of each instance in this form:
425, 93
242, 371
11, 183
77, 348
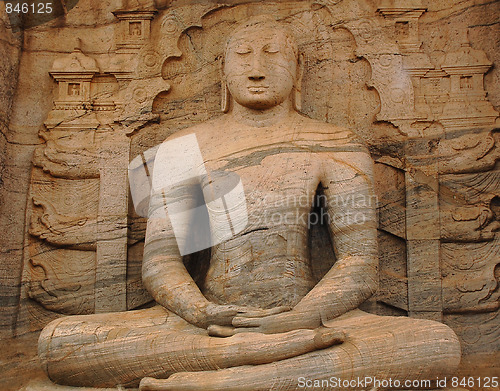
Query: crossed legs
122, 348
384, 348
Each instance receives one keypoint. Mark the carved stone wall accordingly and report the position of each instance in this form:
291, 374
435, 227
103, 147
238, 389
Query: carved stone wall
416, 79
10, 248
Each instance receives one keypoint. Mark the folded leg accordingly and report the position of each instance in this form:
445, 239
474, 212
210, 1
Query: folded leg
122, 348
384, 348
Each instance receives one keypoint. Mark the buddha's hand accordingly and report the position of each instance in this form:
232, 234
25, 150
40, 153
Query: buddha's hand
275, 323
223, 315
221, 320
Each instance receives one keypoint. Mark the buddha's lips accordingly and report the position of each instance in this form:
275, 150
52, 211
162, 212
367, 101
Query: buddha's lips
258, 89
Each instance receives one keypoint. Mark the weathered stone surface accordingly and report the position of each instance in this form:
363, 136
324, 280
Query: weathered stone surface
259, 187
10, 248
417, 81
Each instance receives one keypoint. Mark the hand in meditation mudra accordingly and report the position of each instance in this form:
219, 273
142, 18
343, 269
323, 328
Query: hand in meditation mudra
258, 320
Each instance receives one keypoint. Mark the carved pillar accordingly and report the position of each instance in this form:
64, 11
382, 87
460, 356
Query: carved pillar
423, 236
111, 267
73, 75
421, 179
133, 29
83, 151
467, 106
404, 16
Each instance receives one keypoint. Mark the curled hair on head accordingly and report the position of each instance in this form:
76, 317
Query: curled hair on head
265, 21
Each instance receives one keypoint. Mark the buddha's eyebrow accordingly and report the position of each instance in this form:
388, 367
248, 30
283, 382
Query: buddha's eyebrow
272, 45
238, 41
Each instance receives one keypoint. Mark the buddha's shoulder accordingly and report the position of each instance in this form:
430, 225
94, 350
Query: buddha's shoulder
207, 129
325, 133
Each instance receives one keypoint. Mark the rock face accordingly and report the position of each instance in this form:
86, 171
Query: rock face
83, 115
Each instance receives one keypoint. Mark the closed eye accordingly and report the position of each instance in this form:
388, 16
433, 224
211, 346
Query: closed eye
243, 50
271, 49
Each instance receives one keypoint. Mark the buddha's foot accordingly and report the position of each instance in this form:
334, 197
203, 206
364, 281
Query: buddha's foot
256, 348
245, 378
150, 384
250, 348
196, 381
326, 337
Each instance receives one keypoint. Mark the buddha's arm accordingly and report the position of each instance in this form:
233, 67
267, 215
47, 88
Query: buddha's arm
163, 271
347, 179
165, 276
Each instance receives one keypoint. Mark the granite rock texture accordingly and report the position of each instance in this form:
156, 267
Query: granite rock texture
87, 93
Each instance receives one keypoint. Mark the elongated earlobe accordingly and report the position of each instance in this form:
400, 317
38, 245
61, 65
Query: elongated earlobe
297, 99
297, 90
225, 100
225, 97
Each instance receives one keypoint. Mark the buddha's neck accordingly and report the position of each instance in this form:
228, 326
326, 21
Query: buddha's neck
262, 118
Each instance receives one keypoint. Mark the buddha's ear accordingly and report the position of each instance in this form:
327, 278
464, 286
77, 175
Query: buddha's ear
297, 91
225, 95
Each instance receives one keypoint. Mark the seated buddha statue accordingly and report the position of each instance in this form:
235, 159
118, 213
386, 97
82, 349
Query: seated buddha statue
257, 319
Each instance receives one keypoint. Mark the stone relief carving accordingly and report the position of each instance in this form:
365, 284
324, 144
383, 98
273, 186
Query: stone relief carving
60, 285
467, 105
83, 150
427, 104
471, 152
471, 283
79, 232
255, 295
68, 161
52, 225
451, 95
468, 224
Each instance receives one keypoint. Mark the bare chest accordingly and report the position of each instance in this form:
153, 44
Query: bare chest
271, 254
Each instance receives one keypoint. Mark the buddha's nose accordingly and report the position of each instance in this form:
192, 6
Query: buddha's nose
256, 77
256, 73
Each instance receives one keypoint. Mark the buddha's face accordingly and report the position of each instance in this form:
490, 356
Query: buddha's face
260, 67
